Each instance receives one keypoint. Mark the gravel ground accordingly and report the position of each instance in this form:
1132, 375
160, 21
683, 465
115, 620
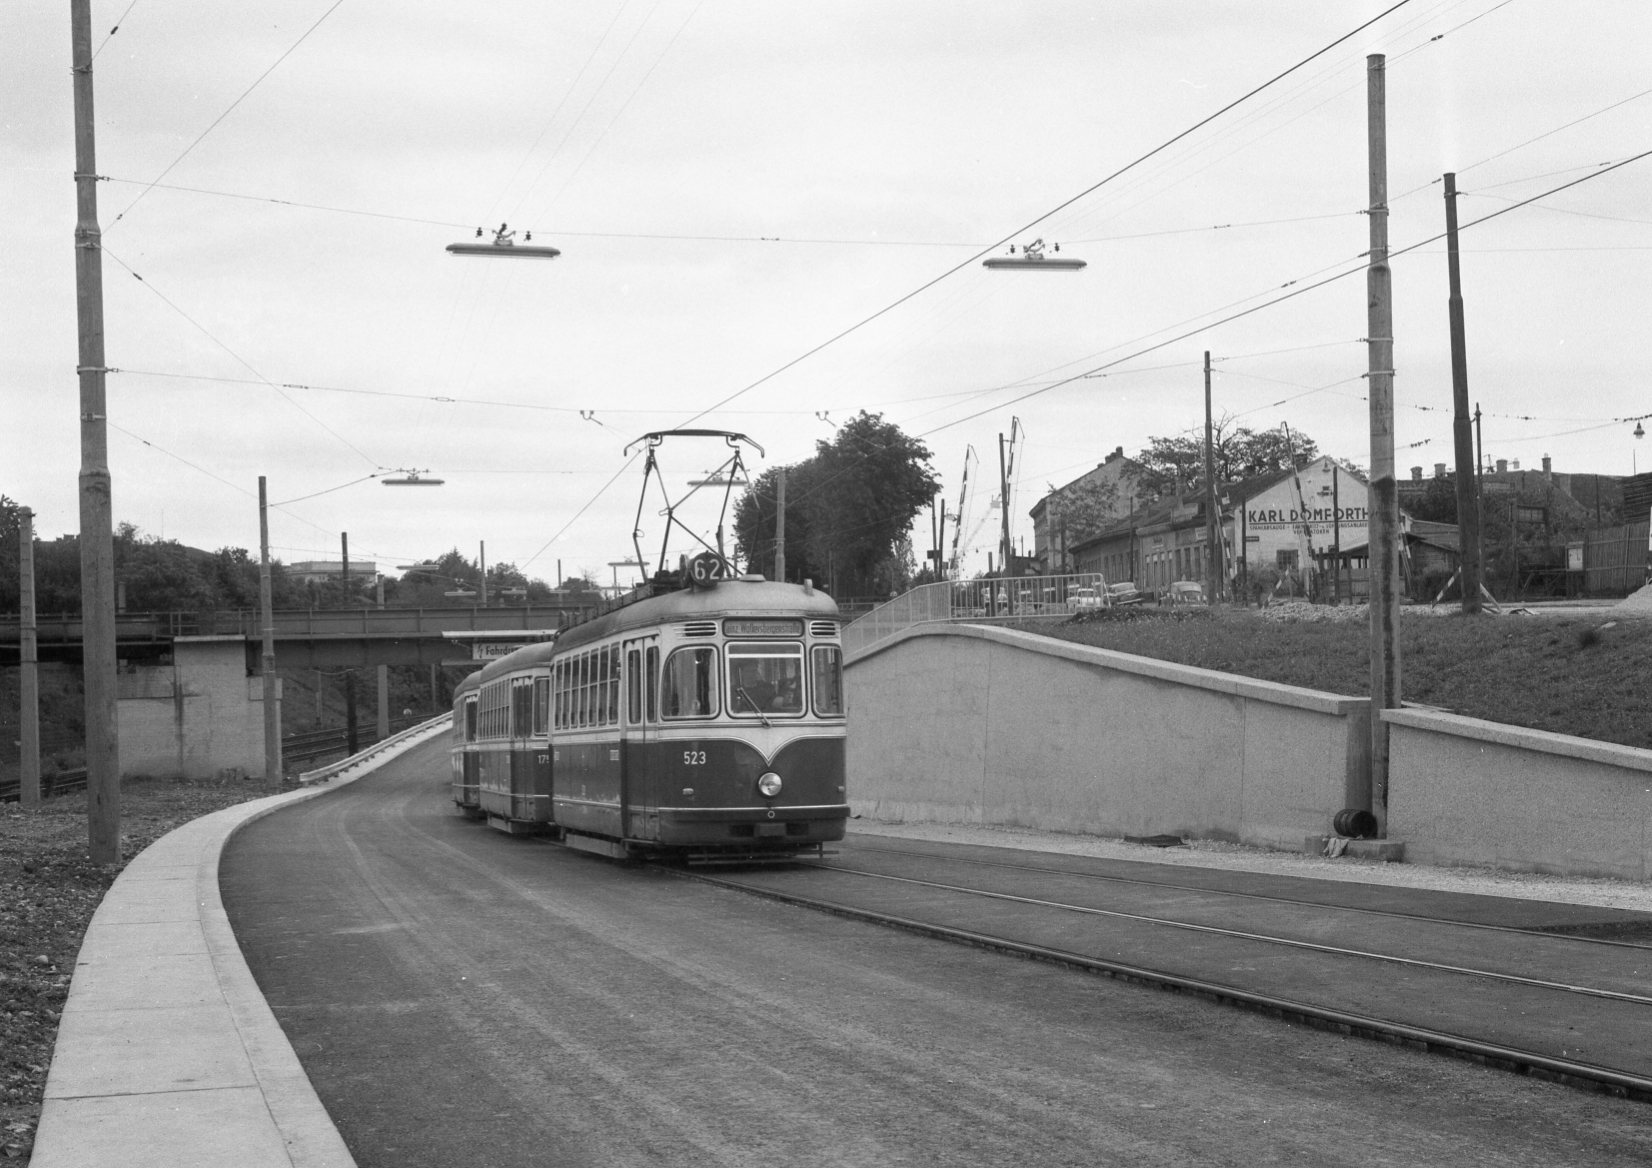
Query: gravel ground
49, 890
1602, 892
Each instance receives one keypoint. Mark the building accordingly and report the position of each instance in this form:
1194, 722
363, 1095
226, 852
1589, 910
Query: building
1285, 520
321, 571
1109, 491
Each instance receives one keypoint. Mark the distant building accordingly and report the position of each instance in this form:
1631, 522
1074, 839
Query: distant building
321, 571
1052, 543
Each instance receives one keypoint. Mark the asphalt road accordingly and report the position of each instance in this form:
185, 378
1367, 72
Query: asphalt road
460, 997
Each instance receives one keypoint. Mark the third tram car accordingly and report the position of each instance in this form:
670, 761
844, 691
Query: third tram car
704, 720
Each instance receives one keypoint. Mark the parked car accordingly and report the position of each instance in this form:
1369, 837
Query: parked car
1124, 593
1185, 592
1087, 599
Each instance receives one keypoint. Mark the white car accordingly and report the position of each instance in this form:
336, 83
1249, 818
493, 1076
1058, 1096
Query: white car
1086, 600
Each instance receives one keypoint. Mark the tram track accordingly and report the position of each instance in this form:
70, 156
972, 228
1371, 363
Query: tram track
1504, 1055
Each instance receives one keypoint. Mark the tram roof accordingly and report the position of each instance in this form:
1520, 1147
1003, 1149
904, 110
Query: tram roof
728, 598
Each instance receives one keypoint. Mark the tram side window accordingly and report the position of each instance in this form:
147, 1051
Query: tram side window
613, 685
633, 687
470, 720
541, 706
583, 681
828, 671
688, 689
521, 709
653, 682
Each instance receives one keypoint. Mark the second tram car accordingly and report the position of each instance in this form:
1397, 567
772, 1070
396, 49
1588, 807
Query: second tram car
705, 720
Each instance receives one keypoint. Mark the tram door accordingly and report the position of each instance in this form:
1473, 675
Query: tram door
639, 785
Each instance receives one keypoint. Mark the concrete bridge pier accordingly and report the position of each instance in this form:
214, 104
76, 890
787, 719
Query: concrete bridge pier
200, 717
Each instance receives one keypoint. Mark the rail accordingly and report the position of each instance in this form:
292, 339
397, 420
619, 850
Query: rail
989, 598
52, 784
311, 744
413, 734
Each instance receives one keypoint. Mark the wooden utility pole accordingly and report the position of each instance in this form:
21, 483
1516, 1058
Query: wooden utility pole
1480, 490
482, 557
97, 544
352, 738
1336, 538
383, 679
1005, 551
272, 707
27, 655
1213, 573
1384, 505
1468, 505
344, 574
780, 524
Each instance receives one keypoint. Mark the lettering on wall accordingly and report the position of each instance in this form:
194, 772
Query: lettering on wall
1265, 518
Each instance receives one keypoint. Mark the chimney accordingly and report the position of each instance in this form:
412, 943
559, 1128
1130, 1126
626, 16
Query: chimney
1503, 466
1439, 470
1515, 465
1546, 464
1115, 456
1416, 474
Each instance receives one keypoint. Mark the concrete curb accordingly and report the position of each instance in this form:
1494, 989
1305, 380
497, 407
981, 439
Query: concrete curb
167, 1053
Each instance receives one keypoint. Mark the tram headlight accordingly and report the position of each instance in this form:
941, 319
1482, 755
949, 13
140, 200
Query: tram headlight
769, 785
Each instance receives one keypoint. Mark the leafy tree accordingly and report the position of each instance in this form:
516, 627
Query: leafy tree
848, 509
1239, 453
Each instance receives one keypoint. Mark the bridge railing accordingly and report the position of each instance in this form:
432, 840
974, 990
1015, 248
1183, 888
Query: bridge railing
301, 622
1014, 598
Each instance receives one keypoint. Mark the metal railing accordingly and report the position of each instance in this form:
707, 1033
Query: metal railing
1015, 598
302, 622
417, 732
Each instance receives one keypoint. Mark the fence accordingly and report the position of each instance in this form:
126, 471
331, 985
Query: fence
990, 598
1615, 559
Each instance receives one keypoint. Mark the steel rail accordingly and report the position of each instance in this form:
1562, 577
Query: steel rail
1376, 912
1243, 935
1520, 1061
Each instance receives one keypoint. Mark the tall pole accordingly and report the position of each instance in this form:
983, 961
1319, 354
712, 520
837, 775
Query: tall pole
1480, 490
1336, 538
1213, 574
780, 524
1384, 504
97, 544
344, 574
1468, 505
1004, 549
482, 558
272, 708
29, 705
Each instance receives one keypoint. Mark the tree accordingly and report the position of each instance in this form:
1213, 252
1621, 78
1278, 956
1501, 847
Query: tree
848, 509
1239, 453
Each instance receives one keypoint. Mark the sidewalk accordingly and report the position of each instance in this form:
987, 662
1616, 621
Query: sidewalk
1601, 892
167, 1055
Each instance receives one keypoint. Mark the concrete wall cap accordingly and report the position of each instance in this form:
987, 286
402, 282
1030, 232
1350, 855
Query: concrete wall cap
219, 638
1228, 683
1567, 745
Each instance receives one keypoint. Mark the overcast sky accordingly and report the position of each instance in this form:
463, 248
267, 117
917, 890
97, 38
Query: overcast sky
846, 154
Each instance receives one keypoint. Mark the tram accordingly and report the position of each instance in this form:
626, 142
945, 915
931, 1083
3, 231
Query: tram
698, 718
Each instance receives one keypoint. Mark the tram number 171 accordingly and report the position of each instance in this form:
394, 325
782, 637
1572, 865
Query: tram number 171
694, 758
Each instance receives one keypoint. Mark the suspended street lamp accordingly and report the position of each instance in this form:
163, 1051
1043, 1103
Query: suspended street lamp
504, 245
412, 478
1032, 259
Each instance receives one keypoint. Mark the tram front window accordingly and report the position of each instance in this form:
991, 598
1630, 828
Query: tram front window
765, 678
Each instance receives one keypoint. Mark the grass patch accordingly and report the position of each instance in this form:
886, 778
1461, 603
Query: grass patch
1571, 674
48, 892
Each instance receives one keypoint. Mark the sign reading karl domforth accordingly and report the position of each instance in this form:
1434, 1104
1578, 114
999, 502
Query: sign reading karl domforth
1274, 518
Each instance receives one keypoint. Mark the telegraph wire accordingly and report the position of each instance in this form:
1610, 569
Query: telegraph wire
1046, 215
204, 331
120, 20
563, 530
1288, 296
225, 114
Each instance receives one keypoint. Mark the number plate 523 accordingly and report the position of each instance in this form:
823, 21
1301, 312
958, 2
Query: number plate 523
694, 758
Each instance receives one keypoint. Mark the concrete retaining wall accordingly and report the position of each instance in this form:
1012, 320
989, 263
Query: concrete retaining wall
1464, 791
973, 724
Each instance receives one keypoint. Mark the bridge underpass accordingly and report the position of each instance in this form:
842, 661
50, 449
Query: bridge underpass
189, 685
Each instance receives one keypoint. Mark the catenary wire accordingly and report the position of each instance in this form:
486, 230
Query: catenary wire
225, 114
1046, 215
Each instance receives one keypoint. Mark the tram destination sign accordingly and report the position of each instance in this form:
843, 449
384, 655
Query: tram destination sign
761, 627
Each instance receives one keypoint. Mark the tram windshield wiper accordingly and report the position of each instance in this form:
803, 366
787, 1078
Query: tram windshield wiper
753, 705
